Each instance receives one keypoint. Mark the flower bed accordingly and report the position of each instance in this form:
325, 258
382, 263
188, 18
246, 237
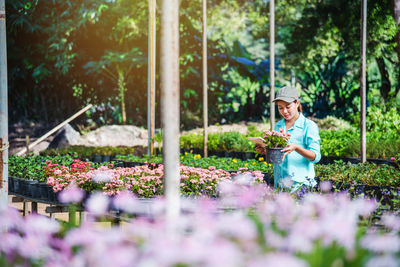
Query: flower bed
379, 181
143, 181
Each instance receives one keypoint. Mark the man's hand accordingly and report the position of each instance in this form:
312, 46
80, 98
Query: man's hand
289, 149
260, 149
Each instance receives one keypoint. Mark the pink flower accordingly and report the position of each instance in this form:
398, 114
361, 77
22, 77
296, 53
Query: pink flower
392, 159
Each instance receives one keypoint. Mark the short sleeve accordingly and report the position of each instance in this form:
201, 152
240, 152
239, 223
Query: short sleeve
313, 141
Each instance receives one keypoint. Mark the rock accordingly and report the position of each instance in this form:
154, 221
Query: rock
116, 135
65, 137
39, 147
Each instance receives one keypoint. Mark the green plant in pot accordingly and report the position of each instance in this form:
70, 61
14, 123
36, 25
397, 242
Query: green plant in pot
274, 142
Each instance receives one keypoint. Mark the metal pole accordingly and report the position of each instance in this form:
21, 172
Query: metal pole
151, 84
3, 110
363, 93
205, 79
272, 61
170, 105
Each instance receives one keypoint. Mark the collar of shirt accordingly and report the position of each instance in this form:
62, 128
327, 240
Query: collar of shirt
299, 123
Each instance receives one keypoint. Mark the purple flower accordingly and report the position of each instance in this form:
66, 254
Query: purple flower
97, 204
40, 225
391, 221
278, 260
72, 194
325, 186
126, 202
381, 243
383, 261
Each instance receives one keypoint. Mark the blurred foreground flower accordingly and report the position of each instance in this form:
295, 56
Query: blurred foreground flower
97, 204
258, 228
72, 194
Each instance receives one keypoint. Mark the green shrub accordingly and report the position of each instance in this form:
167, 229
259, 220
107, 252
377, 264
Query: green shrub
362, 173
85, 152
333, 123
379, 119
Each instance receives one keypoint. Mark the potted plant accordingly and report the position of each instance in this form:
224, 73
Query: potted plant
274, 142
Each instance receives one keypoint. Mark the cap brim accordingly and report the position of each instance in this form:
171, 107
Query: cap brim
286, 99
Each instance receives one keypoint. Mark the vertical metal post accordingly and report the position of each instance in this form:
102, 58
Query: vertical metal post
272, 61
151, 83
363, 93
170, 105
3, 109
205, 79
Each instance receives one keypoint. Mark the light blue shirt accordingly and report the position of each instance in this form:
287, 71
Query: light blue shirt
300, 170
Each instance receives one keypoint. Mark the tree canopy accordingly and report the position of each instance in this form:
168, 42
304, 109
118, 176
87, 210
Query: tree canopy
63, 54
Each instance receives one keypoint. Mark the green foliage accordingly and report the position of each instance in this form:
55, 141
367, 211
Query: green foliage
274, 139
31, 167
75, 46
344, 143
195, 160
333, 123
226, 141
380, 120
84, 152
362, 173
337, 143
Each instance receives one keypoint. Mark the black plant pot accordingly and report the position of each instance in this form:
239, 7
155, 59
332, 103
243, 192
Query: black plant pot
97, 158
248, 155
274, 155
43, 191
11, 184
268, 179
23, 187
50, 194
35, 190
30, 187
130, 164
106, 158
17, 185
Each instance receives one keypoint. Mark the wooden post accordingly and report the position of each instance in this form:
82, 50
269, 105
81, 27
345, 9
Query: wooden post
3, 110
151, 83
272, 61
23, 151
205, 80
27, 144
363, 94
34, 207
170, 106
